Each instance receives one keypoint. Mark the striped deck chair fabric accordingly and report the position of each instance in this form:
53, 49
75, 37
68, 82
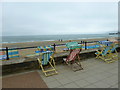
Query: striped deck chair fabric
73, 55
91, 46
106, 43
73, 45
45, 48
46, 57
113, 47
3, 55
13, 53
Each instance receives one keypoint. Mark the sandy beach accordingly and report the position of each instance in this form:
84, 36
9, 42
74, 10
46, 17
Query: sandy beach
24, 52
45, 43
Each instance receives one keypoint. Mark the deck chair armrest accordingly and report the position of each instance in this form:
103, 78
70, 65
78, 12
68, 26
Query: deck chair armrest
98, 52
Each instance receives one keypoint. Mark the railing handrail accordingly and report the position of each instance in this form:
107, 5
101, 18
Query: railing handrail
4, 49
54, 45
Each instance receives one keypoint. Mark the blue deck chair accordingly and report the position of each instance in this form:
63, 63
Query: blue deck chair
47, 58
106, 53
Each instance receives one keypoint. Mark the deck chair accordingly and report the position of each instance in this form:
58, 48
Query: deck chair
105, 54
46, 58
73, 60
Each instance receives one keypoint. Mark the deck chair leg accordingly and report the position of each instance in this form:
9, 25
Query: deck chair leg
109, 59
116, 55
48, 72
79, 63
53, 61
79, 66
72, 67
97, 55
43, 69
70, 64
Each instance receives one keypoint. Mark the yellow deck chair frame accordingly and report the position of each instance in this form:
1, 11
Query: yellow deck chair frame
106, 53
50, 62
113, 49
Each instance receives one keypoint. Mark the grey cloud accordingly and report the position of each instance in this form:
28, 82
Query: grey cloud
58, 18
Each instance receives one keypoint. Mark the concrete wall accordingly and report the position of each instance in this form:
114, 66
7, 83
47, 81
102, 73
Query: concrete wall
33, 65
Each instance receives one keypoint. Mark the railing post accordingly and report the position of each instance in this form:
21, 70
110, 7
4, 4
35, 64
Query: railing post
81, 42
54, 47
7, 53
85, 45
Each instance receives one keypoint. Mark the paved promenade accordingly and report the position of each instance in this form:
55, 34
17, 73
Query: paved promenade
96, 74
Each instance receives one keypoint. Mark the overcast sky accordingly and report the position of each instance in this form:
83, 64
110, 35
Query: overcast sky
43, 18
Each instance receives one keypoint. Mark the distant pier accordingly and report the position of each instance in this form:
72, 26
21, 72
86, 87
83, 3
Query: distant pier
114, 33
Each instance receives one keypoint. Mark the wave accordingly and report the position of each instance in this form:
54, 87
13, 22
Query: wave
27, 41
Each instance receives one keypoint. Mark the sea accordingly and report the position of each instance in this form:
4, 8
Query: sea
33, 38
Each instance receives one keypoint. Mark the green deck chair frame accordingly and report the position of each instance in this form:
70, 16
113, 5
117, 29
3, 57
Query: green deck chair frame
48, 59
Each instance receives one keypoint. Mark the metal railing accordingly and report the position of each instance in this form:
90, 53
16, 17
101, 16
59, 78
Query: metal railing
54, 45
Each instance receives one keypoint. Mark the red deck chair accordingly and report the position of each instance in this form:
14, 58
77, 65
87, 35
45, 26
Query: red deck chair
73, 60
